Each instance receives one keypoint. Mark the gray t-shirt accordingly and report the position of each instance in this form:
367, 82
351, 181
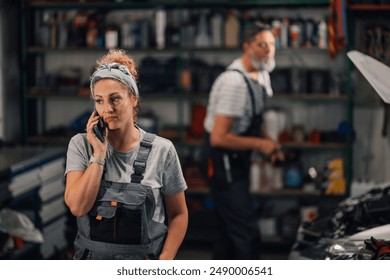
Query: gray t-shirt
230, 97
163, 171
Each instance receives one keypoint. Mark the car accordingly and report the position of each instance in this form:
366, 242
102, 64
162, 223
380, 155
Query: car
350, 231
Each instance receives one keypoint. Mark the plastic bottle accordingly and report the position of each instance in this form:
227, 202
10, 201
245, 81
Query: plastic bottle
246, 19
145, 33
161, 21
266, 175
232, 29
255, 175
63, 31
277, 174
126, 33
172, 35
270, 118
54, 31
185, 78
284, 40
100, 19
322, 35
295, 33
92, 33
44, 30
111, 37
217, 30
137, 24
202, 39
188, 33
309, 33
277, 29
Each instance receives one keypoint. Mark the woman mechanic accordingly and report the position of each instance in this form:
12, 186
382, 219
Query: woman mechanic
127, 191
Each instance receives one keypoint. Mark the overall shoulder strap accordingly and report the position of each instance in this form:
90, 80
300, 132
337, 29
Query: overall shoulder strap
251, 93
257, 119
139, 164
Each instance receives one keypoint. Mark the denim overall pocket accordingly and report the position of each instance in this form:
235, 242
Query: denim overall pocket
116, 224
119, 215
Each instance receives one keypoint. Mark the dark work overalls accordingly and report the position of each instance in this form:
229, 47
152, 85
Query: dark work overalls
120, 224
228, 176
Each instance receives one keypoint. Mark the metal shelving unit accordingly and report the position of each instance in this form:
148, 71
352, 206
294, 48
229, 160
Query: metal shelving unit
40, 96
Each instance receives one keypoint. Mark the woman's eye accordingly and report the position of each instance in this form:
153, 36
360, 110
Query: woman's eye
115, 99
99, 101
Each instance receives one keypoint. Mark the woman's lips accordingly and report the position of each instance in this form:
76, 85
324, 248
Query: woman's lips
109, 119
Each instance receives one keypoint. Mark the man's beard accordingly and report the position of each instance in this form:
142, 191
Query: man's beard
260, 65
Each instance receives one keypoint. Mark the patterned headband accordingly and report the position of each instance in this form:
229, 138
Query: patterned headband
115, 71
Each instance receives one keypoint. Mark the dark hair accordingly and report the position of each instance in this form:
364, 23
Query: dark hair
252, 29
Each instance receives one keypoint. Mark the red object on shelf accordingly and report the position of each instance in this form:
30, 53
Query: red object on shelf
197, 119
315, 137
284, 137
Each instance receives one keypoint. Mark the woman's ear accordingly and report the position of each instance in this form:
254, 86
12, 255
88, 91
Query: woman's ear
134, 100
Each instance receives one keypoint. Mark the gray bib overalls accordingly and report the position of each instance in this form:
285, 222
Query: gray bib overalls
120, 224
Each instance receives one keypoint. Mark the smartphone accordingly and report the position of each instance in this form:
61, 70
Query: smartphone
99, 128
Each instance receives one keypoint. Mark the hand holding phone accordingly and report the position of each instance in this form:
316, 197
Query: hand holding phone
99, 128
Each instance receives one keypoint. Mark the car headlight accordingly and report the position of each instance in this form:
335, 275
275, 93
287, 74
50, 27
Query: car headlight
342, 249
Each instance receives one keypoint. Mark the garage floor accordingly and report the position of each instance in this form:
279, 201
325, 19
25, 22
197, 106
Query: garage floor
203, 252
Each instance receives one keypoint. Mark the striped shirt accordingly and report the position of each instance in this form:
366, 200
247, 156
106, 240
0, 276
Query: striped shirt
230, 97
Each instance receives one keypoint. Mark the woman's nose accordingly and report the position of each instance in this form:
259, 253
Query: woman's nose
107, 108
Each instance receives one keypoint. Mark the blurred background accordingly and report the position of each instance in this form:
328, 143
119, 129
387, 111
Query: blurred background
330, 122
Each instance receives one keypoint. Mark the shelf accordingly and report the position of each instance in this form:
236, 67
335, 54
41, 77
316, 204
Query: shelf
39, 59
49, 93
173, 96
177, 4
174, 135
72, 50
309, 97
64, 140
362, 7
49, 140
312, 146
33, 172
35, 93
315, 97
84, 93
283, 193
291, 145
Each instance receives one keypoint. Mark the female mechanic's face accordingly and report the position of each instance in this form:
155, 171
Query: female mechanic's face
114, 103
